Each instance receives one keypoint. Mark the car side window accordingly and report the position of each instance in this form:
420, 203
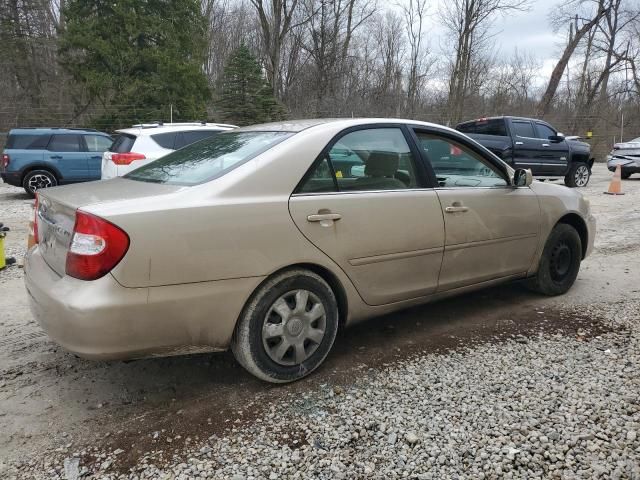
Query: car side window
523, 129
165, 140
64, 143
456, 166
97, 143
544, 131
373, 159
194, 136
320, 179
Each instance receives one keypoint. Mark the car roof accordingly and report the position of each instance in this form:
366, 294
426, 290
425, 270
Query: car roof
49, 130
155, 128
295, 126
504, 117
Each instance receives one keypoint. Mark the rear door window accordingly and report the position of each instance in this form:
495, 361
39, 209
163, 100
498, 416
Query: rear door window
523, 129
65, 143
97, 143
123, 143
165, 140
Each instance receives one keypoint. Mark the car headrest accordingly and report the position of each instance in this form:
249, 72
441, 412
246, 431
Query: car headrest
381, 164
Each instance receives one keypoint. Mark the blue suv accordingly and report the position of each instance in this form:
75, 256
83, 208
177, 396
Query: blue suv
35, 158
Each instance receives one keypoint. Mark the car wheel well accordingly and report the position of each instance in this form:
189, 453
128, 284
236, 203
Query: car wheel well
327, 276
31, 168
578, 223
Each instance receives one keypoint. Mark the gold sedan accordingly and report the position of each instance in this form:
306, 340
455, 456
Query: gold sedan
266, 239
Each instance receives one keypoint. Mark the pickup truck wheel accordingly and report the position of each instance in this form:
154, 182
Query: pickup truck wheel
37, 179
287, 328
560, 262
578, 175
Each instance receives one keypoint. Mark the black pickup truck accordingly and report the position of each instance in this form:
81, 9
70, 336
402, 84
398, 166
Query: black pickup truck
534, 144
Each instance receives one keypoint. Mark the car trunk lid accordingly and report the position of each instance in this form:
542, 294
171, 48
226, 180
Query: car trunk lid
57, 208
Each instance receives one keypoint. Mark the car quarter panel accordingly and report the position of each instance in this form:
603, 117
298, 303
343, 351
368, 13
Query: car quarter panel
556, 202
104, 320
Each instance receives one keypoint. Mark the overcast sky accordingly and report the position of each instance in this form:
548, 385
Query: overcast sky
527, 31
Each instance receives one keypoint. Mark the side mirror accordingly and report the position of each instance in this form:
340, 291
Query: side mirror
522, 178
556, 138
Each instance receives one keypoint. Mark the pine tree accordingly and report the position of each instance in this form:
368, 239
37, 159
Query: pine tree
245, 95
137, 57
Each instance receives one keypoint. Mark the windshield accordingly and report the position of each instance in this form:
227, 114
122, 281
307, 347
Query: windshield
207, 159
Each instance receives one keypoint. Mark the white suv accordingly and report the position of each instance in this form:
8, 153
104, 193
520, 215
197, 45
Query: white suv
144, 143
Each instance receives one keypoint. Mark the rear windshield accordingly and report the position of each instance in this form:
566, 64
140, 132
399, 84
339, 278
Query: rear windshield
207, 159
484, 127
123, 143
27, 142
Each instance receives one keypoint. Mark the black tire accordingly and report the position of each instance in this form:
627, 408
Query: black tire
37, 179
256, 347
625, 175
560, 262
578, 175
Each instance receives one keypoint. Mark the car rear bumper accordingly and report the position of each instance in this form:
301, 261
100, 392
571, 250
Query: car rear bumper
103, 320
12, 178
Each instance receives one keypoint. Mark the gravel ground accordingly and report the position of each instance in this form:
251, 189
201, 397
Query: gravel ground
530, 402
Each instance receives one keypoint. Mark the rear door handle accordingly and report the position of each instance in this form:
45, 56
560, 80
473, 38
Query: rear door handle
55, 157
519, 143
320, 217
545, 144
96, 158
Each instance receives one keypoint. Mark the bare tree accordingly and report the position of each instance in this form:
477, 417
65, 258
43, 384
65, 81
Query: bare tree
276, 21
415, 13
467, 22
578, 28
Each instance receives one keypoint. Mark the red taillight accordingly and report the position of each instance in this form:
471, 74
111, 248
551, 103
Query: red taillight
35, 220
5, 160
126, 158
96, 247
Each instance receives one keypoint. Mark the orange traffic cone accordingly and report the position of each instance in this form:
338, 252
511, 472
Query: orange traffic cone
615, 187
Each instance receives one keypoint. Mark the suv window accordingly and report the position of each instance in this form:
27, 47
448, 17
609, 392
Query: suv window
456, 166
123, 143
484, 127
187, 138
97, 143
165, 140
209, 159
27, 142
544, 131
523, 129
64, 143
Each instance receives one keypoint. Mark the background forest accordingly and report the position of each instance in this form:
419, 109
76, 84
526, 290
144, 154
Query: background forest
110, 64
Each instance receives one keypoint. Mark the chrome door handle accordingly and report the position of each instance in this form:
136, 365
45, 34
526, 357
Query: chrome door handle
545, 144
320, 217
456, 209
519, 143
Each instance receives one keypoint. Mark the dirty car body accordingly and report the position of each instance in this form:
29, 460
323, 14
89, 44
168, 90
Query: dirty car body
266, 238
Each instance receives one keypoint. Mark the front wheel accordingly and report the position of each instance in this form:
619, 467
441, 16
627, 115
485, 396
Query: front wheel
37, 179
625, 175
578, 175
560, 262
288, 327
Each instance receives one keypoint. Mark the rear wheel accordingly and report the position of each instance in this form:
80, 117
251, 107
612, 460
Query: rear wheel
578, 175
560, 262
37, 179
626, 175
288, 327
